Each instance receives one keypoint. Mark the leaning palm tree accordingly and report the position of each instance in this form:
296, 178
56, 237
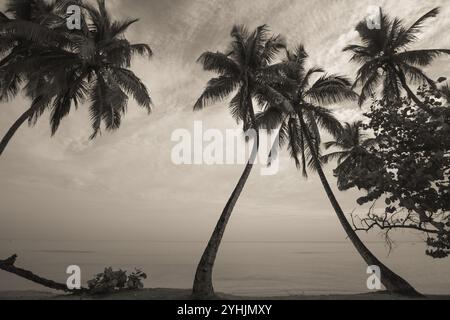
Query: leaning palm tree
241, 69
386, 57
300, 129
92, 63
351, 150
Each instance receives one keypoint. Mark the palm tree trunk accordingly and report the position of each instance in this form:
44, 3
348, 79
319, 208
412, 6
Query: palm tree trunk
393, 282
203, 286
7, 138
412, 95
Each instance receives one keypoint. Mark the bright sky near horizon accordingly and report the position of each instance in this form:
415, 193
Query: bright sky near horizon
124, 186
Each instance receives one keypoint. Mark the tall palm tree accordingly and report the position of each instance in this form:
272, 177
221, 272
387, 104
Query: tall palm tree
385, 57
351, 150
241, 69
300, 129
93, 63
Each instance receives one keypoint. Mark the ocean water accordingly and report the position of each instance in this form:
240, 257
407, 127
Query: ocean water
243, 268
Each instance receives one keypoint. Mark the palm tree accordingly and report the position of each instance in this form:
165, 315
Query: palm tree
300, 129
351, 150
241, 69
385, 56
31, 30
93, 63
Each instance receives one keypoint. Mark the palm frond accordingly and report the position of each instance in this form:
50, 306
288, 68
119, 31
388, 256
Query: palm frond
334, 156
270, 119
218, 62
331, 89
120, 27
217, 89
296, 144
361, 54
410, 35
131, 84
369, 87
272, 48
416, 75
421, 57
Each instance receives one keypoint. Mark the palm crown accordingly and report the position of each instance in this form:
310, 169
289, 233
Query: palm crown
307, 99
386, 58
243, 68
91, 63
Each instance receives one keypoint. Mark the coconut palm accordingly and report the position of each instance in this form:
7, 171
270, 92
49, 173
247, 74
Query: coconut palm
243, 69
300, 130
386, 57
31, 30
351, 151
34, 26
92, 63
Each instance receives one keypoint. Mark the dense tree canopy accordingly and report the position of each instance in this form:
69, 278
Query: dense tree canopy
412, 157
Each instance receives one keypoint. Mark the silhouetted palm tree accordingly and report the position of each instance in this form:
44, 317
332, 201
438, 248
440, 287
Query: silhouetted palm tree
385, 56
300, 129
91, 63
242, 68
31, 31
351, 150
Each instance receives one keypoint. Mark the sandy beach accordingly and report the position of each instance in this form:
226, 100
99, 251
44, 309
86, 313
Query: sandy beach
184, 294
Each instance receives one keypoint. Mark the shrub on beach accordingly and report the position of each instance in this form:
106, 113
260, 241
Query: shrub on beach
110, 281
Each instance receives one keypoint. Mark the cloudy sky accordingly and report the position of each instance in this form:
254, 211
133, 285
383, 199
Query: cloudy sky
124, 185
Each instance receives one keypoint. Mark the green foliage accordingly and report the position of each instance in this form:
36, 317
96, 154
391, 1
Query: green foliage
111, 281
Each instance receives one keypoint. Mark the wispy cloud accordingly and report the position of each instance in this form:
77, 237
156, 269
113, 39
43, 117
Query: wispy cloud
132, 166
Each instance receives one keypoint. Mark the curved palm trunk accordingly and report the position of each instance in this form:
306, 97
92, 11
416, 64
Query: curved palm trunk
393, 282
7, 138
412, 95
203, 286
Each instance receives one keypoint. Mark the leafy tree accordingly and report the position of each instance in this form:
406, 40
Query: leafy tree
413, 152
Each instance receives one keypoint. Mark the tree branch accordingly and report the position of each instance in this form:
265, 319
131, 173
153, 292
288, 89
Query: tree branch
8, 266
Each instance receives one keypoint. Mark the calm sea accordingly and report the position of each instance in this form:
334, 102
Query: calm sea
244, 268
